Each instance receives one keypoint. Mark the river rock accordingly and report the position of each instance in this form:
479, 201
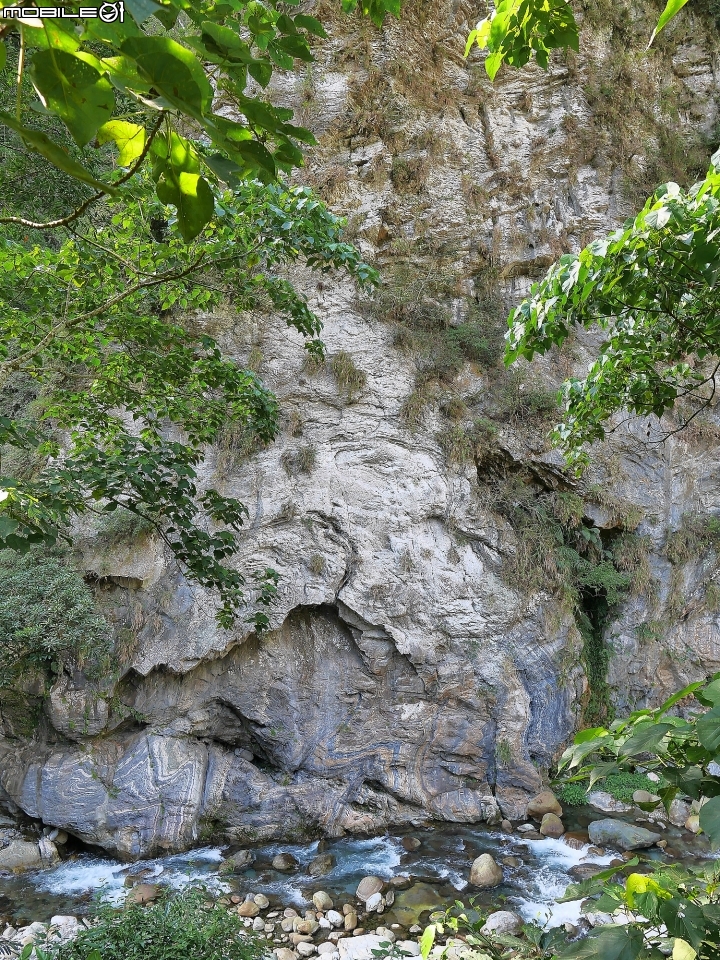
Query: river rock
401, 882
692, 823
584, 871
644, 796
144, 893
308, 926
327, 948
285, 862
261, 900
20, 855
322, 900
335, 918
306, 949
510, 862
544, 802
385, 933
285, 953
625, 836
506, 825
58, 837
576, 839
350, 921
410, 844
64, 927
359, 948
258, 924
369, 886
503, 921
485, 872
238, 862
409, 947
286, 924
373, 902
551, 826
606, 803
296, 938
248, 909
321, 865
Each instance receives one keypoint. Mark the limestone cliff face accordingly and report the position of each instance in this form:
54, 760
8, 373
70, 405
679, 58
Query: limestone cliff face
406, 675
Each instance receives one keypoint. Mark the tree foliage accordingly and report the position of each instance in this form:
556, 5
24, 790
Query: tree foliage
672, 909
169, 59
651, 287
128, 397
516, 30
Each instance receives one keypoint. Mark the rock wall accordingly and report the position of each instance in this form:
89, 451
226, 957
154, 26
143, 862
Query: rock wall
405, 676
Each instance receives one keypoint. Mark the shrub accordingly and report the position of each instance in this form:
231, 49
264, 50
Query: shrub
123, 526
179, 927
573, 795
696, 535
349, 378
298, 461
48, 618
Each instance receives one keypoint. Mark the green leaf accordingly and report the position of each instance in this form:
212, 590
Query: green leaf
427, 940
311, 25
682, 950
140, 10
173, 70
710, 820
74, 91
128, 137
610, 942
192, 196
672, 7
708, 730
645, 738
3, 55
43, 145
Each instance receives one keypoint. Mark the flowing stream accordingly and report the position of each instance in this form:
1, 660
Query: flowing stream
439, 869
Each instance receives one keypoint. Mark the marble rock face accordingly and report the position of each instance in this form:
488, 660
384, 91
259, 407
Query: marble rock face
406, 676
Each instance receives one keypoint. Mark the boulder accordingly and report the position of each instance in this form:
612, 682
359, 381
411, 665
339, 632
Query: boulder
506, 825
373, 902
322, 901
359, 948
584, 871
261, 900
238, 862
410, 843
551, 826
606, 803
20, 855
544, 802
485, 872
576, 839
624, 836
644, 796
248, 909
285, 862
321, 865
409, 947
64, 928
143, 893
503, 921
368, 886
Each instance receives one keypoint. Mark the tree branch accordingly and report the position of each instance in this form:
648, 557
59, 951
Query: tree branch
79, 211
